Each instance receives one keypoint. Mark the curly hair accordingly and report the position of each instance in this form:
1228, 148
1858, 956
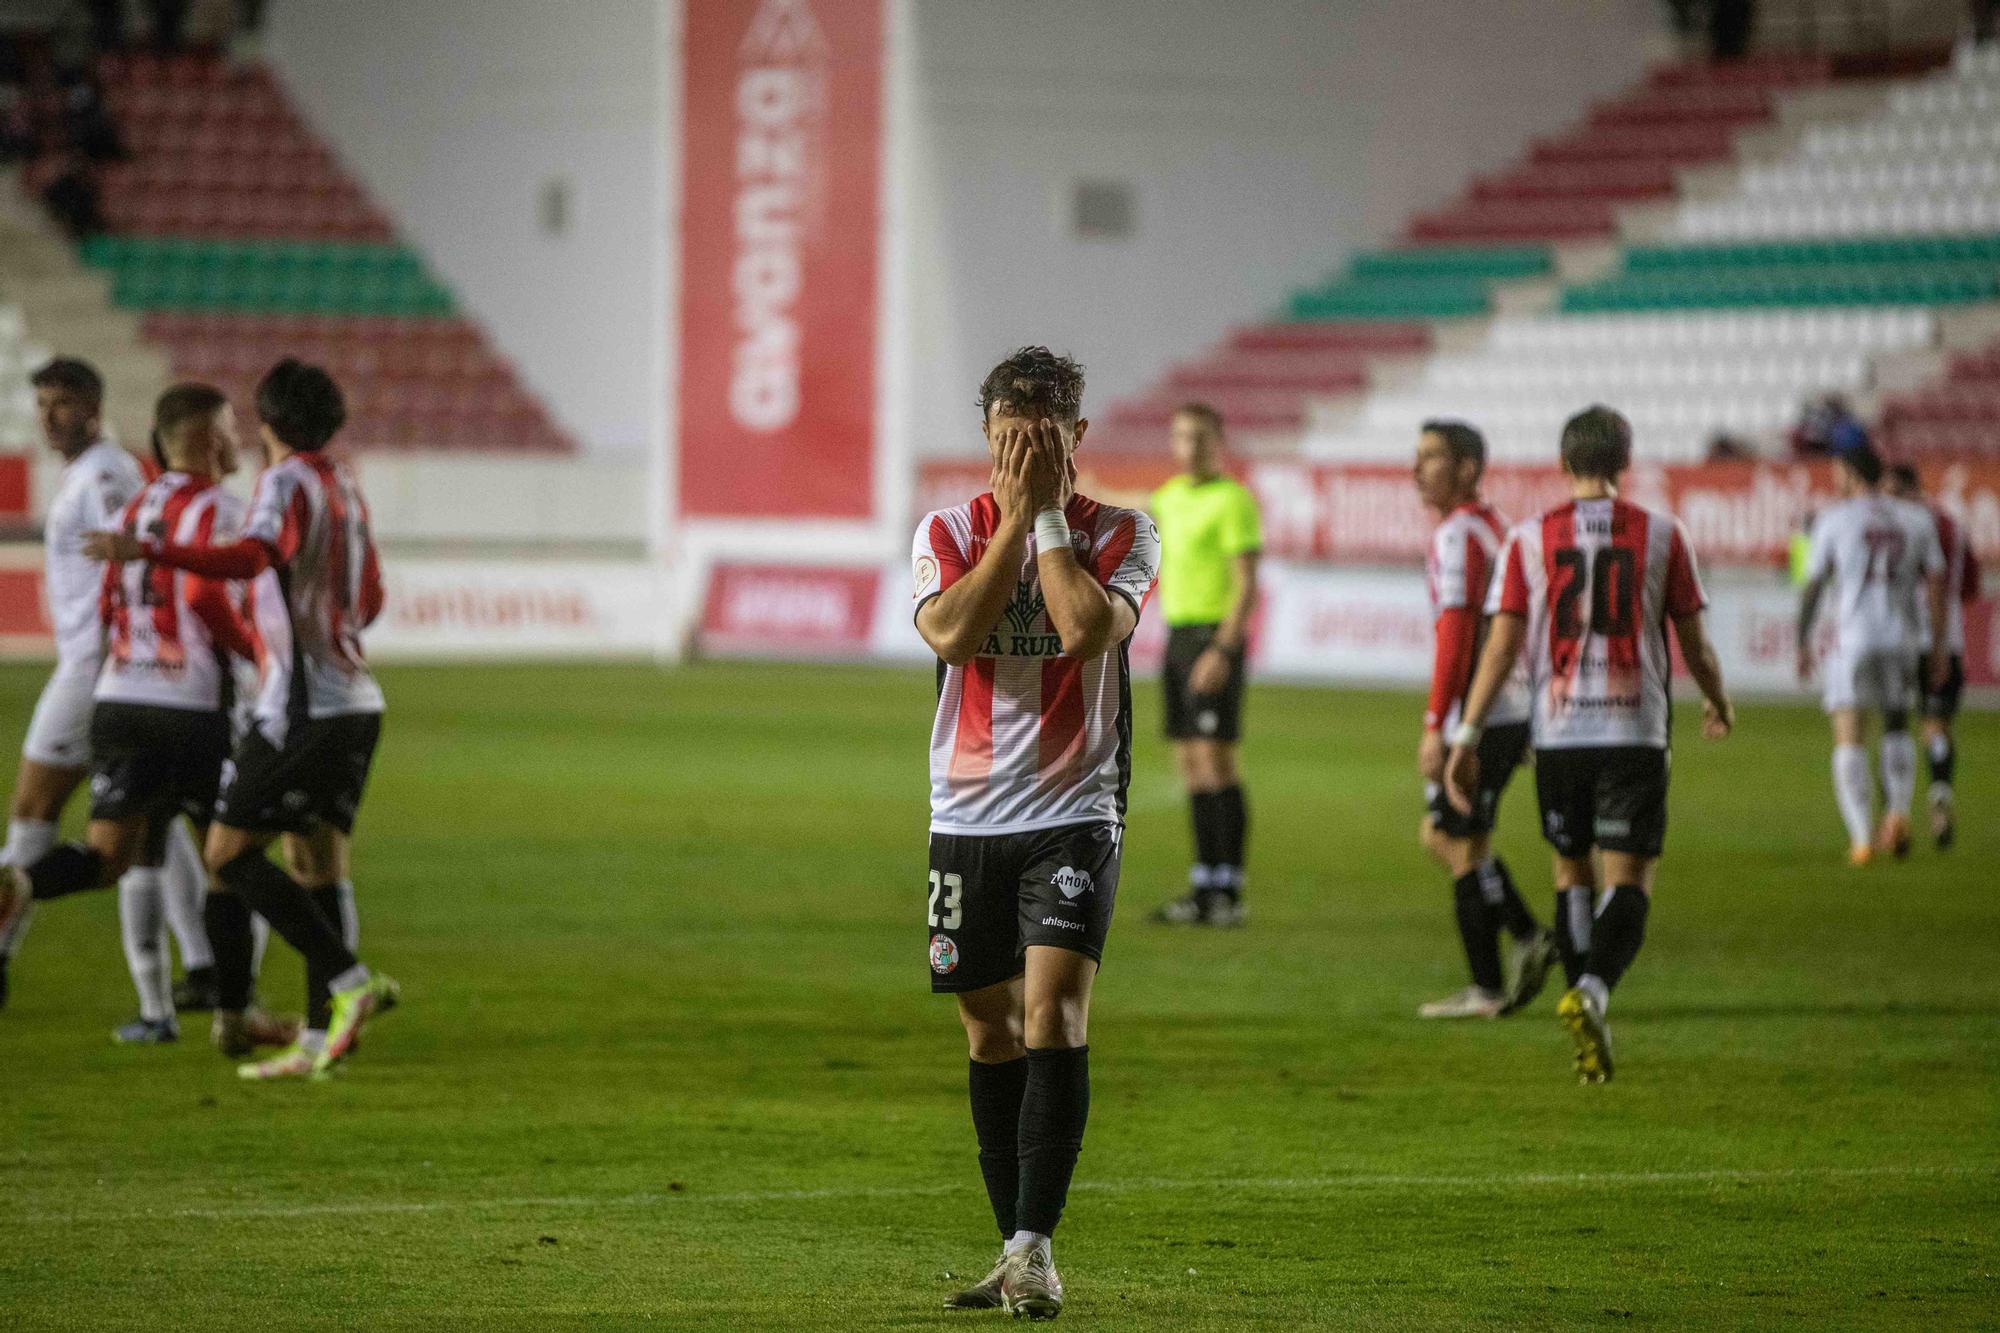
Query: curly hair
1034, 382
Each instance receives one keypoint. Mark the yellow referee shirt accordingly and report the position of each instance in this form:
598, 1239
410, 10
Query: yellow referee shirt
1204, 526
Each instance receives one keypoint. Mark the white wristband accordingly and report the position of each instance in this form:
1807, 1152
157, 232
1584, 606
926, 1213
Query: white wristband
1467, 734
1051, 531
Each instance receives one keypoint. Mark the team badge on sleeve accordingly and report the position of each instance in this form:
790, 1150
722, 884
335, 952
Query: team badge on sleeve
927, 571
944, 954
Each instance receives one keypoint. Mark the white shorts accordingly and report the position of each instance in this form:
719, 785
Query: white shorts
59, 734
1872, 679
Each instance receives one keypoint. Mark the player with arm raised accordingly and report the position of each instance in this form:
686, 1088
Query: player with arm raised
1880, 557
1588, 588
301, 768
159, 732
1029, 596
1451, 457
1941, 698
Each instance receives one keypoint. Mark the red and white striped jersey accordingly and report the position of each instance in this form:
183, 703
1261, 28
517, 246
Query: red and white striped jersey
1026, 738
1460, 573
170, 633
310, 514
1597, 581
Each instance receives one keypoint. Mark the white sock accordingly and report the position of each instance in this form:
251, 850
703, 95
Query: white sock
350, 920
1593, 985
28, 841
348, 980
1201, 876
1853, 792
142, 923
186, 883
1021, 1240
1899, 771
313, 1040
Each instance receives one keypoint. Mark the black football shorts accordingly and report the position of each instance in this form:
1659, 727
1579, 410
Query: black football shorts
1611, 796
992, 897
1501, 751
1191, 716
316, 777
154, 762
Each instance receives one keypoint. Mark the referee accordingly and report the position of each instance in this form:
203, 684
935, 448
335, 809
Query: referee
1209, 542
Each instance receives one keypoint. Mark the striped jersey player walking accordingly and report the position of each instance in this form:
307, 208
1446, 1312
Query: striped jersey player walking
1029, 596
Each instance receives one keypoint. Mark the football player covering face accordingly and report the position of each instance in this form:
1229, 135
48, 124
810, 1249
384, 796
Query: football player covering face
1028, 595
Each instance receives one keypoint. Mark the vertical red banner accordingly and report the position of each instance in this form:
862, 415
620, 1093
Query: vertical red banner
782, 152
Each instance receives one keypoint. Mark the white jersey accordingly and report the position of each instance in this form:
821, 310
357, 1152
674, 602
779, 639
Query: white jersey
1460, 574
171, 633
95, 487
1597, 581
1026, 738
1876, 552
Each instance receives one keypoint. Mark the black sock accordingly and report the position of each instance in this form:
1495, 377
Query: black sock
228, 922
1572, 930
1506, 899
1943, 756
1207, 829
1619, 931
1479, 930
277, 897
996, 1120
1234, 815
319, 999
1053, 1111
67, 868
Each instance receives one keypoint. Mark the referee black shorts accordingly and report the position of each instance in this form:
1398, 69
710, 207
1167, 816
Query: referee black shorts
1191, 716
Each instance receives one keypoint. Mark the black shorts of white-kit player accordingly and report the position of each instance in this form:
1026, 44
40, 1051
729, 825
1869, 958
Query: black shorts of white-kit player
1501, 750
991, 897
316, 777
155, 763
1612, 797
1191, 716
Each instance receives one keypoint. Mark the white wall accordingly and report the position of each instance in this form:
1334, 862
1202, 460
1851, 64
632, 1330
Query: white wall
1266, 139
456, 113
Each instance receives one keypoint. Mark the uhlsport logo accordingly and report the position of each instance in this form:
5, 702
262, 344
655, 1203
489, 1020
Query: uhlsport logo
944, 954
1073, 883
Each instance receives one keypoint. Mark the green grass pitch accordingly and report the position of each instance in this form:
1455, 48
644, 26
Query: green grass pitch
668, 1056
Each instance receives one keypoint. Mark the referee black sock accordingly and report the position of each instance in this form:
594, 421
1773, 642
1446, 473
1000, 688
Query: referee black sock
1233, 813
1054, 1108
1207, 829
1573, 930
1479, 930
319, 997
229, 939
1617, 934
67, 868
1507, 902
1943, 757
278, 898
996, 1120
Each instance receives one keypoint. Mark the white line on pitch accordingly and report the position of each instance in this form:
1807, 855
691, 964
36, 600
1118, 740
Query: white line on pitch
1306, 1184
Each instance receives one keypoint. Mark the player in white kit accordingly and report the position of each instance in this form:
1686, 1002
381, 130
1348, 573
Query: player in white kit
1962, 585
1880, 557
98, 479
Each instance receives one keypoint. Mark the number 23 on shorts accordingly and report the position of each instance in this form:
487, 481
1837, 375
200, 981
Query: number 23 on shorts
947, 911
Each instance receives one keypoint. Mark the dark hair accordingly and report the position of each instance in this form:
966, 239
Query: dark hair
1905, 474
1865, 463
1210, 418
1034, 382
1461, 439
77, 376
178, 406
1597, 442
301, 404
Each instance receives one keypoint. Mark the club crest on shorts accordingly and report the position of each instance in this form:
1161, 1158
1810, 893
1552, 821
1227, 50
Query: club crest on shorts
1073, 883
944, 954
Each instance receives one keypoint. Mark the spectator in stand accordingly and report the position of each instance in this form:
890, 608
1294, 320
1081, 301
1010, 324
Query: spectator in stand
1828, 428
1726, 448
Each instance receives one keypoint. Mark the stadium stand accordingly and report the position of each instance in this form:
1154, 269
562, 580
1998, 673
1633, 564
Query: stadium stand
1855, 240
235, 235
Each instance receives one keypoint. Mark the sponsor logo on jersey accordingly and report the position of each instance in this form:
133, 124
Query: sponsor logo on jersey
1073, 883
1058, 921
944, 954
